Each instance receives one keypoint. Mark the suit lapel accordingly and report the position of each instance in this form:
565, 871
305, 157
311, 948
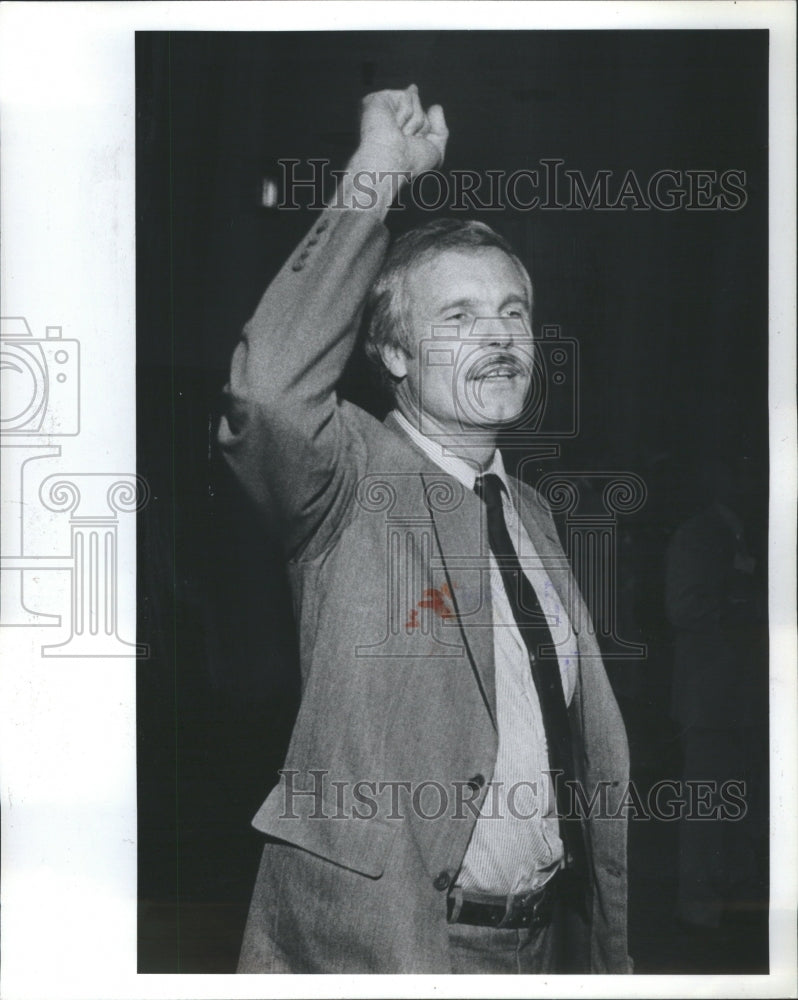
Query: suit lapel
461, 533
550, 551
546, 541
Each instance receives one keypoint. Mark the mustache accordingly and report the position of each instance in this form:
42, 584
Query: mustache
500, 360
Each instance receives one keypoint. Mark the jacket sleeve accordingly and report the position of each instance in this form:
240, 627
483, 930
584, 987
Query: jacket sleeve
283, 431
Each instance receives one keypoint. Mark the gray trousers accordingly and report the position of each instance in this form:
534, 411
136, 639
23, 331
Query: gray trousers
480, 950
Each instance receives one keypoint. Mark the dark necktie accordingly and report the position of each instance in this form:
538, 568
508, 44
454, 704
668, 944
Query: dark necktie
535, 632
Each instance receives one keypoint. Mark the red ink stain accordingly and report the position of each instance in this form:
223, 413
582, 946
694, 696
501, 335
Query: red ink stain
412, 622
436, 600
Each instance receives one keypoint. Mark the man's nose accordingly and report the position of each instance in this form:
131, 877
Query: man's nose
499, 331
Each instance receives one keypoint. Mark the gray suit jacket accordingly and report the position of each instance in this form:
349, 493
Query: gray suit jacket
395, 721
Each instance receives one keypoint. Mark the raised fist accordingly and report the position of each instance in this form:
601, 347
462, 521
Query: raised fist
396, 134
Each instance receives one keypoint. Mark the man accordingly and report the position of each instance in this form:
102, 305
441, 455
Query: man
415, 827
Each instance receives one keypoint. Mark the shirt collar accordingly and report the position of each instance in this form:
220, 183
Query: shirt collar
444, 459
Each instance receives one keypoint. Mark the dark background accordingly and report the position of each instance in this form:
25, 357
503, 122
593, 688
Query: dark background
669, 309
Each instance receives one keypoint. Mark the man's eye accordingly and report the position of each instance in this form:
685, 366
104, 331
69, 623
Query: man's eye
458, 316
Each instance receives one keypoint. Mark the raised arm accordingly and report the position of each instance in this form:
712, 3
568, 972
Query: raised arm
283, 432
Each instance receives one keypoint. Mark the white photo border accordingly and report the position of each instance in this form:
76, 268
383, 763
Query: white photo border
68, 260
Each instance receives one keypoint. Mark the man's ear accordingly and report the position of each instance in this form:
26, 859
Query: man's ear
394, 359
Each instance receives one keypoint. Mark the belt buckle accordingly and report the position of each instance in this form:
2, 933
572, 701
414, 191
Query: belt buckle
510, 909
539, 915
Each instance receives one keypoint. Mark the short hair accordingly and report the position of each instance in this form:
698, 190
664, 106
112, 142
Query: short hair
387, 304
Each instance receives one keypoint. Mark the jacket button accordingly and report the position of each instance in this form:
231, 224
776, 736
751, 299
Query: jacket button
476, 782
442, 880
324, 224
298, 266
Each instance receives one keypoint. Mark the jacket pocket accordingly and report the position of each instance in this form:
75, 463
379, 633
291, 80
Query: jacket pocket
361, 845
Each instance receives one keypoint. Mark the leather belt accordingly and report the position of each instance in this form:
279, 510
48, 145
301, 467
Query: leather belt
530, 909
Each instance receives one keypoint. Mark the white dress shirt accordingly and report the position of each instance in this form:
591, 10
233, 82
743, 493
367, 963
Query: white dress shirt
515, 845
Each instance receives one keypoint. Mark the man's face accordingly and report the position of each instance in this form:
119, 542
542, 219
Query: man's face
472, 357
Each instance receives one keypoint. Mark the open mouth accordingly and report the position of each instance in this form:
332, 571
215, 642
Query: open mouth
504, 367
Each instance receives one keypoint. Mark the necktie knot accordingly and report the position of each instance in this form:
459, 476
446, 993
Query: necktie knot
488, 488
